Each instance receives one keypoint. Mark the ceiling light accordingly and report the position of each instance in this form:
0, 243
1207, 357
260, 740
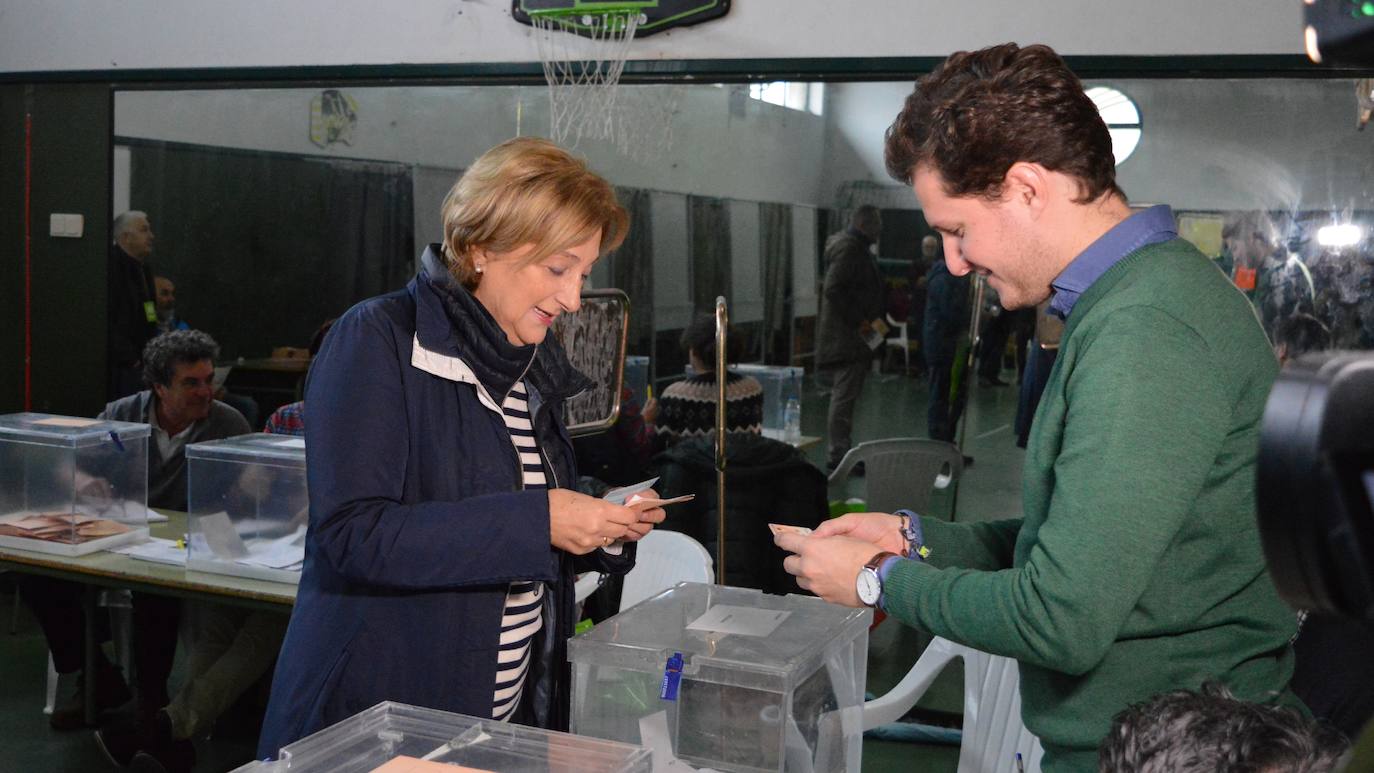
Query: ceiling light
1342, 235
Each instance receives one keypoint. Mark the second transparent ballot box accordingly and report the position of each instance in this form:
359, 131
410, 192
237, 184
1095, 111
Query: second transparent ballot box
731, 679
637, 377
396, 738
780, 383
247, 502
70, 485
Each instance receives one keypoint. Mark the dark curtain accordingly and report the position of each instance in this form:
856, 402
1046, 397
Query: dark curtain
632, 269
263, 247
708, 224
775, 257
828, 221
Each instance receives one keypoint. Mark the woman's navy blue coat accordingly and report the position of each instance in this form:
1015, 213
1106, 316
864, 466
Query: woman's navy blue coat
417, 520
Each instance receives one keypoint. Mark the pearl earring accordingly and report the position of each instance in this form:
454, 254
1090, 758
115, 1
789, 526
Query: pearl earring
479, 268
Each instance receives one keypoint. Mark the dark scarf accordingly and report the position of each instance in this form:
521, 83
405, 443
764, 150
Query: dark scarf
483, 345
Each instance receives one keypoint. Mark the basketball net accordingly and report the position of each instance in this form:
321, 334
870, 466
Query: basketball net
586, 100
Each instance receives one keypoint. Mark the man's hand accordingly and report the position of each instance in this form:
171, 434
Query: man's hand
826, 566
881, 530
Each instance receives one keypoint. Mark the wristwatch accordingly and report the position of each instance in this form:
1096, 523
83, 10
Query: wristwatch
868, 584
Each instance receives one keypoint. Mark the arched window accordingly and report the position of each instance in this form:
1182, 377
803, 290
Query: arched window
1122, 117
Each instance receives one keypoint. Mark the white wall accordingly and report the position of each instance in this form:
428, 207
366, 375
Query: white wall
50, 35
858, 114
1206, 144
1271, 144
756, 151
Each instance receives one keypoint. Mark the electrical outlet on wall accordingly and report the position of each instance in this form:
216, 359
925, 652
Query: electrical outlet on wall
66, 225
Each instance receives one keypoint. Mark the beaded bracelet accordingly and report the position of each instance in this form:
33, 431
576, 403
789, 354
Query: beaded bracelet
911, 532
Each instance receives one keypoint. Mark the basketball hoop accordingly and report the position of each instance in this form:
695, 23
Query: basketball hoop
583, 49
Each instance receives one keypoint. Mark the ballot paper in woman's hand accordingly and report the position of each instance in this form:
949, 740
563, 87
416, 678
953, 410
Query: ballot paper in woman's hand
649, 503
618, 496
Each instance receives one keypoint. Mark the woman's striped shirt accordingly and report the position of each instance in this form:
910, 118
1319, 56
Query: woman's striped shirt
523, 616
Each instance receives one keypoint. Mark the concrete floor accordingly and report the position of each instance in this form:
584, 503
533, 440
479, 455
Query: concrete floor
892, 405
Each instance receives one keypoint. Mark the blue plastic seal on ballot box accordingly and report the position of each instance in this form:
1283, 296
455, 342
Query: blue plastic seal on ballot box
672, 677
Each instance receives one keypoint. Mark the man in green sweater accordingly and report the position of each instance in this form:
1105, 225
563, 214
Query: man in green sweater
1136, 567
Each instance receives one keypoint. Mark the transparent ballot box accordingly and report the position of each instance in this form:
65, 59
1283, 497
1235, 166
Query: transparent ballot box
637, 377
730, 679
70, 485
779, 383
396, 738
247, 503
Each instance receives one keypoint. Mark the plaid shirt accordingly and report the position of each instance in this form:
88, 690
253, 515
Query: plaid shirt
287, 420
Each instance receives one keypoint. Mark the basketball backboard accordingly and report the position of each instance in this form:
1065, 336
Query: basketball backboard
655, 15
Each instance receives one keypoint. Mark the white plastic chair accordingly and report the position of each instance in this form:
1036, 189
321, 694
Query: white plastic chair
586, 585
993, 733
120, 606
901, 341
899, 472
664, 559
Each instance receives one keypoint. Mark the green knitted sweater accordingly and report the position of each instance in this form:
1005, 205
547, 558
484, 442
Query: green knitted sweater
1136, 567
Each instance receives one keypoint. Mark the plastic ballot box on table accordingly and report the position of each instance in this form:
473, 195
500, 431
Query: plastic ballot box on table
637, 377
248, 507
780, 383
396, 738
70, 485
728, 679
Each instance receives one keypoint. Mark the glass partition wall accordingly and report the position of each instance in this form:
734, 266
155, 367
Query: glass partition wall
277, 208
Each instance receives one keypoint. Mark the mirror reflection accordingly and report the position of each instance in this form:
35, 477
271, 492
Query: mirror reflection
274, 210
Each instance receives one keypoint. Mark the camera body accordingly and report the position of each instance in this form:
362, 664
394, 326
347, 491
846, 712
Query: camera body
1315, 486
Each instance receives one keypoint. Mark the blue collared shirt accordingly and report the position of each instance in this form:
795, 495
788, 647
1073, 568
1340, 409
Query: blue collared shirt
1152, 226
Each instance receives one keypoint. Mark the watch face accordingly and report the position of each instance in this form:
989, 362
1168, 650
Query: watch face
869, 586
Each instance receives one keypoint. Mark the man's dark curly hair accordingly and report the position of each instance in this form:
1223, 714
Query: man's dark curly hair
161, 355
981, 111
1209, 731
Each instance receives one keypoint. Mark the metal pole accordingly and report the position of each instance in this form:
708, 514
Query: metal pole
722, 327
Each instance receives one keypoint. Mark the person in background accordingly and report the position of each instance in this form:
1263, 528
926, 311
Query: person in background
1209, 731
177, 367
131, 309
179, 370
852, 301
1049, 328
1275, 280
228, 650
1136, 568
916, 314
1298, 334
687, 408
289, 419
992, 340
167, 319
945, 326
443, 535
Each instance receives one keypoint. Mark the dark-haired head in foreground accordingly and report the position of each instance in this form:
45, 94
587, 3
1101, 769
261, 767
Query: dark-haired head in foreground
1209, 731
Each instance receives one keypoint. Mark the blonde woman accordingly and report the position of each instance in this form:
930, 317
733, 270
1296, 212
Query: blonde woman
443, 533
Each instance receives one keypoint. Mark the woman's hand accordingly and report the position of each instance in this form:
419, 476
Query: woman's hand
647, 515
879, 529
580, 524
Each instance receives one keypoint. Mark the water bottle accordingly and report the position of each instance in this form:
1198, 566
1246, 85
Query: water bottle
791, 421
